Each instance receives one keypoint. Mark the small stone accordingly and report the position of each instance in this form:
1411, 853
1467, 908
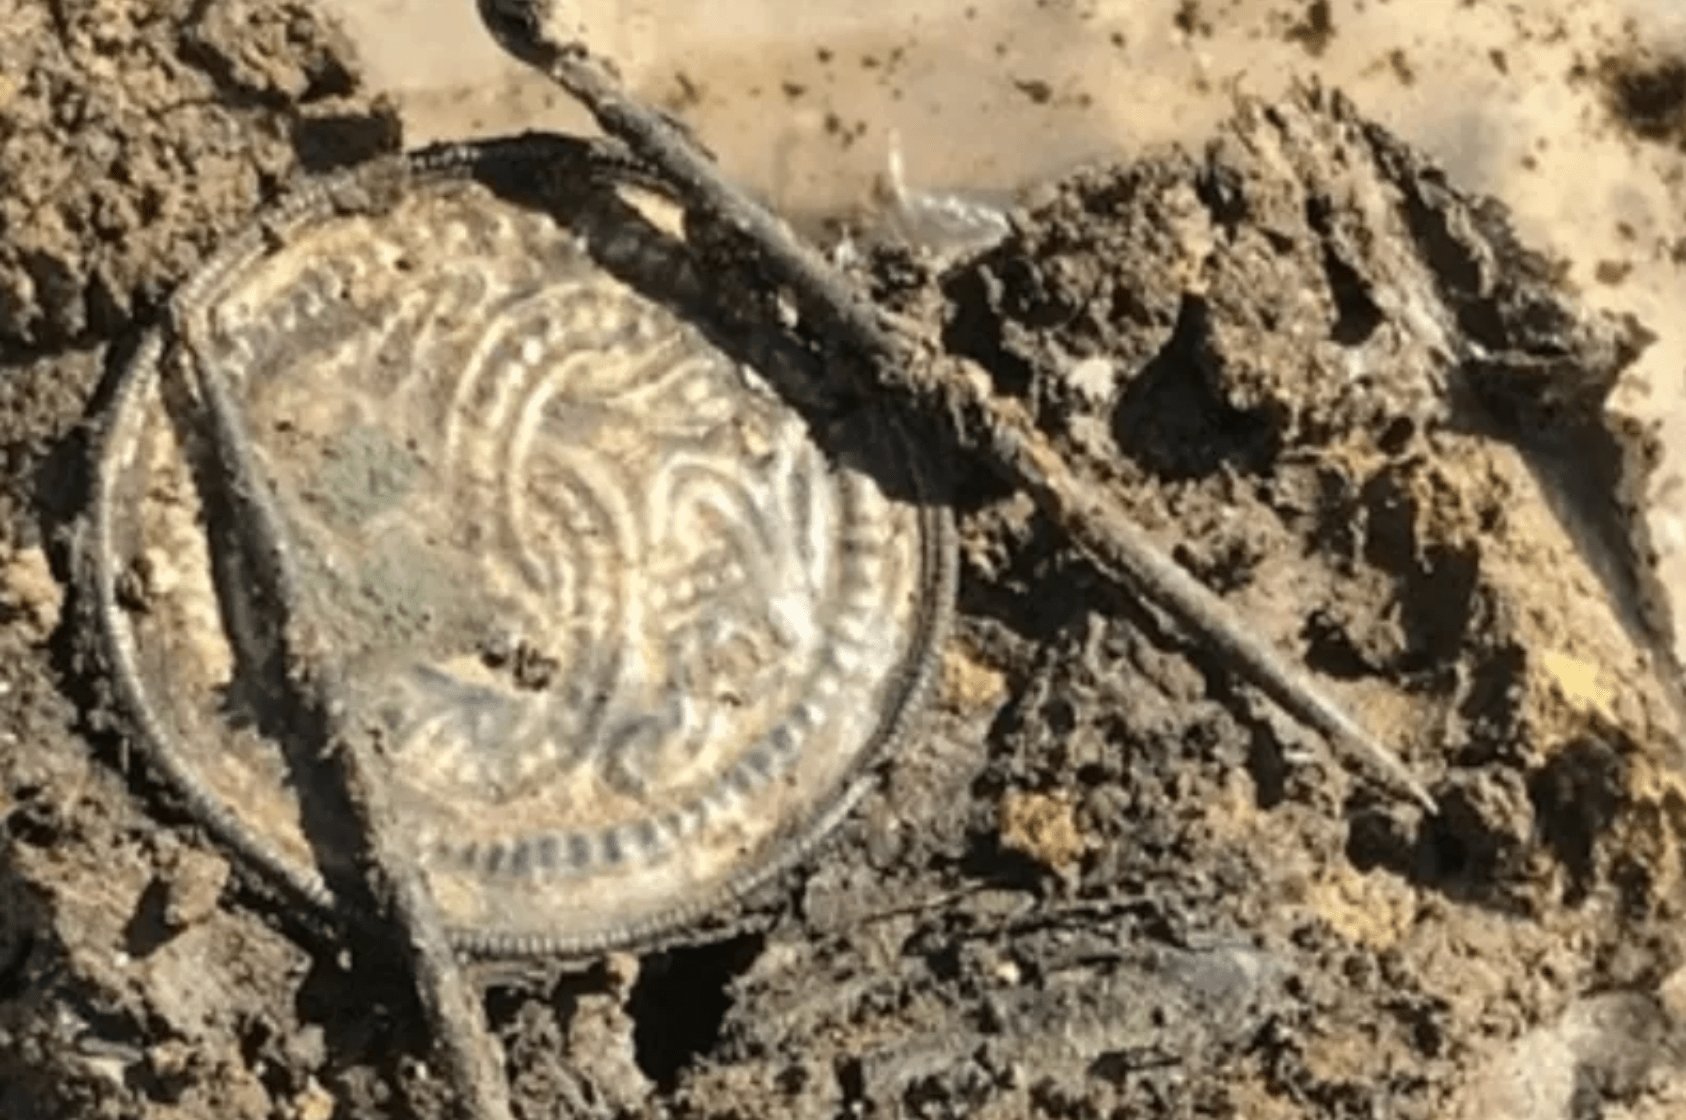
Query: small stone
621, 970
307, 1048
30, 597
1095, 379
193, 887
171, 1060
969, 683
314, 1103
1671, 995
1042, 826
184, 995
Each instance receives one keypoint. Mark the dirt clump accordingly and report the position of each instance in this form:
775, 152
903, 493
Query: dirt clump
134, 134
1107, 878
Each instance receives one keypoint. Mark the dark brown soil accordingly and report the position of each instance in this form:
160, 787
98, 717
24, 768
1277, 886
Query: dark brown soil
1109, 879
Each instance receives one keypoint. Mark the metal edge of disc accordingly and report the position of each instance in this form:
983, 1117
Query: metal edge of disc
124, 415
313, 201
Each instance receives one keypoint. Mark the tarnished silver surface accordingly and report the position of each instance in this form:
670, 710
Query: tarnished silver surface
627, 624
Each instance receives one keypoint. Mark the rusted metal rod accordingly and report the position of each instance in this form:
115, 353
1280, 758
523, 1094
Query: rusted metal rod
540, 33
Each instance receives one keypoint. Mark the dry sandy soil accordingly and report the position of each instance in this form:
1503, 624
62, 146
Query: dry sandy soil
1420, 438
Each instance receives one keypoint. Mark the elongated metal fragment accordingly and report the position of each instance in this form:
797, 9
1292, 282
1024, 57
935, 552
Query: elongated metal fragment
538, 32
322, 718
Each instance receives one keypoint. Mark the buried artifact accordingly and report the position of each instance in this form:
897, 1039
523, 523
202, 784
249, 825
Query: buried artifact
625, 623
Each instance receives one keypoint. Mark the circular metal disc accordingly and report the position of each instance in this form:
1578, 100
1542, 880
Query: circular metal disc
627, 624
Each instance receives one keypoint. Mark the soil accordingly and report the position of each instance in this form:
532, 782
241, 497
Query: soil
1108, 878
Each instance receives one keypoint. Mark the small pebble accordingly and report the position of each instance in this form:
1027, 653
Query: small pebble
1042, 826
314, 1103
193, 884
29, 595
1094, 379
